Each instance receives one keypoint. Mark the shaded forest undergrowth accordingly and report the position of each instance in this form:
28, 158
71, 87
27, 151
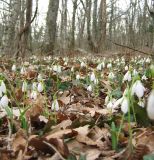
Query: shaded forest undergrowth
85, 108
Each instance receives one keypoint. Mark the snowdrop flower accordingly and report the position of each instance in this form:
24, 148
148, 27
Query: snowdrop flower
72, 69
3, 87
33, 95
109, 65
57, 69
99, 67
126, 68
138, 89
23, 70
4, 101
110, 105
107, 100
34, 86
111, 75
96, 81
92, 77
148, 60
135, 73
55, 105
144, 77
150, 105
127, 77
77, 76
40, 87
89, 88
125, 105
117, 102
65, 63
1, 92
14, 68
83, 64
141, 103
24, 86
39, 77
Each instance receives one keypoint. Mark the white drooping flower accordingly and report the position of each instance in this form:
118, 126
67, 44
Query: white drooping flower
125, 105
150, 105
135, 73
138, 89
107, 100
127, 76
111, 75
92, 77
99, 67
110, 105
1, 93
72, 69
4, 101
83, 64
144, 77
89, 88
77, 76
55, 105
141, 103
40, 87
23, 70
57, 68
117, 102
14, 68
39, 77
109, 65
24, 86
3, 87
33, 95
126, 68
34, 86
148, 60
96, 81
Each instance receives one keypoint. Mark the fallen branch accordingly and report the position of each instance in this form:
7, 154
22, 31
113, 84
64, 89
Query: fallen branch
124, 46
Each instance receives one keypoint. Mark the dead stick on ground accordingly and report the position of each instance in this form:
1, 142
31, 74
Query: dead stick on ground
124, 46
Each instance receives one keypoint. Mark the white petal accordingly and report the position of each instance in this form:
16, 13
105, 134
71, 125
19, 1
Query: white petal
40, 87
4, 101
55, 105
150, 105
124, 105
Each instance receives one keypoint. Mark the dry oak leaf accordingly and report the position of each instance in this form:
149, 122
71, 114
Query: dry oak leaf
85, 140
63, 125
83, 130
61, 134
19, 141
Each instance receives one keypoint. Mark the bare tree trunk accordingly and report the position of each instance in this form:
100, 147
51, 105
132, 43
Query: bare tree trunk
72, 43
15, 11
63, 28
92, 45
102, 26
94, 24
51, 23
26, 35
24, 32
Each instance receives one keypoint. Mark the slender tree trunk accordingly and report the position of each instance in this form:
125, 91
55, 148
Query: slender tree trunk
102, 26
51, 22
94, 24
72, 43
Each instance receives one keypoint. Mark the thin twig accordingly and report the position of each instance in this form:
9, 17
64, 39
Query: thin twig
134, 49
54, 148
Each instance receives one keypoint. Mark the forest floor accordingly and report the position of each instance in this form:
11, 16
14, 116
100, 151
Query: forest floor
73, 108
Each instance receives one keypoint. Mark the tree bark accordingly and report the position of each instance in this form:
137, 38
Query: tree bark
51, 23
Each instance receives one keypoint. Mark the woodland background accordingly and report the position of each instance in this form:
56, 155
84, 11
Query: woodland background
93, 26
